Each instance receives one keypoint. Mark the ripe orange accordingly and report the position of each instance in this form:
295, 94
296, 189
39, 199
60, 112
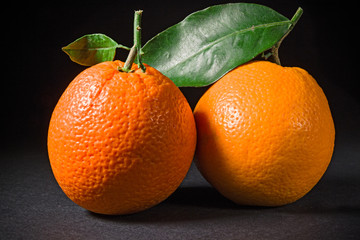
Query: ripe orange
265, 134
121, 142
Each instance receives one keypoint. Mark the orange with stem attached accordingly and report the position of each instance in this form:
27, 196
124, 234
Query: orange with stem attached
121, 138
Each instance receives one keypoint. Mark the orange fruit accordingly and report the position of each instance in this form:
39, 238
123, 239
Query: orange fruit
119, 142
265, 134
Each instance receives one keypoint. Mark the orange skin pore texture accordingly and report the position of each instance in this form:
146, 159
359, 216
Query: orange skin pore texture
120, 142
265, 134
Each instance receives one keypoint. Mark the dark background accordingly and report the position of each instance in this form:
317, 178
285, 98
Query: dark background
324, 42
36, 72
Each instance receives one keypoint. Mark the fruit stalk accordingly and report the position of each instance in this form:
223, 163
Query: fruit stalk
275, 48
135, 51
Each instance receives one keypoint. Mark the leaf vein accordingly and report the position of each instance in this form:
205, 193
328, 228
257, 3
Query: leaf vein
252, 28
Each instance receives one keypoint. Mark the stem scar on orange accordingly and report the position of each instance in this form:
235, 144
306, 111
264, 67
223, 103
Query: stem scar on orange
121, 142
265, 134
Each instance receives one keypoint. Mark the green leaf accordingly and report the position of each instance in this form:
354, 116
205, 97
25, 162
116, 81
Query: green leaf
209, 43
92, 49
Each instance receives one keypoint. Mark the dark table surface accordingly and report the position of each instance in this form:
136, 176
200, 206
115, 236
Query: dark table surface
34, 207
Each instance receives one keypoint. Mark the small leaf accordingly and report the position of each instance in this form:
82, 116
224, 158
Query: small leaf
92, 49
209, 43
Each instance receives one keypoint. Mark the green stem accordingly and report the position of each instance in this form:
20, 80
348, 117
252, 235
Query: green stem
275, 48
135, 51
123, 47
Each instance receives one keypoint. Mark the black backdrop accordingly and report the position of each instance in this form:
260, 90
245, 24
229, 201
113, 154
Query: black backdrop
35, 72
324, 42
